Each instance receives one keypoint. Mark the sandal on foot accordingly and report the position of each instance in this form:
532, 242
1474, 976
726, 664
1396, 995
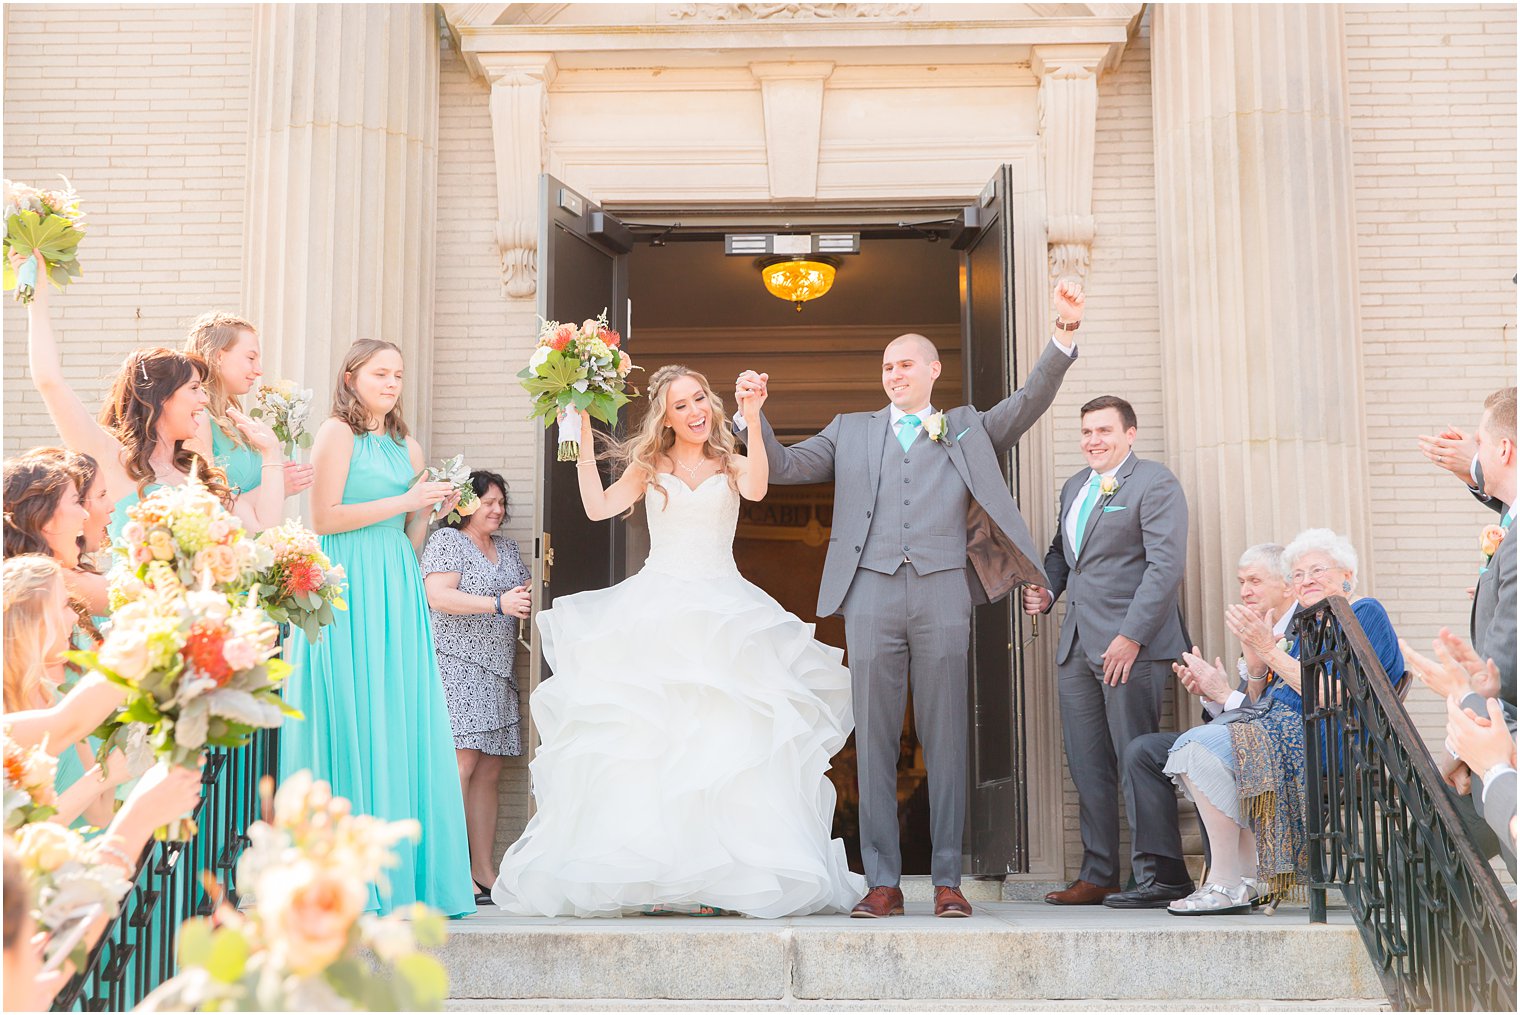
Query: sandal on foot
1213, 900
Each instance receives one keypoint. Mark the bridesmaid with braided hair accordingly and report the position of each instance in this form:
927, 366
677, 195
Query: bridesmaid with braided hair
141, 439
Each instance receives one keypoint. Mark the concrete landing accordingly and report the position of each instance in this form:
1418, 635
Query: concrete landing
1009, 955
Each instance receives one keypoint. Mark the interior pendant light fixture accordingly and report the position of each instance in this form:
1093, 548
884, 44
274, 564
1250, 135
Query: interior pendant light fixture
798, 279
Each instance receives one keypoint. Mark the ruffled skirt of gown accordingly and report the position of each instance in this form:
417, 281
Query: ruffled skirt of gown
686, 735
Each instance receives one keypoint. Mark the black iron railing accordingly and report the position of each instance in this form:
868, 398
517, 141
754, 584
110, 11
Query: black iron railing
136, 953
1382, 831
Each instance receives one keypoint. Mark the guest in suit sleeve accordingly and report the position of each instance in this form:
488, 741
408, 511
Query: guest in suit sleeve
1487, 746
1493, 610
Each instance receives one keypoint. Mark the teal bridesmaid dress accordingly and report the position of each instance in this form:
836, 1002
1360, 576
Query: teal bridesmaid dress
376, 726
243, 465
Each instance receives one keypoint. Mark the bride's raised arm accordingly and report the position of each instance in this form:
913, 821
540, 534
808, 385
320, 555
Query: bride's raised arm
602, 504
754, 470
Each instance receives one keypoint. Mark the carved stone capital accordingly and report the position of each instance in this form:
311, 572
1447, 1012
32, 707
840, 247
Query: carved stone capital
519, 116
1068, 116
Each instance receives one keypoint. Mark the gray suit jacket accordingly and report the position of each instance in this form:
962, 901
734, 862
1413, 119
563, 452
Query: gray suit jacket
1001, 553
1496, 802
1493, 615
1125, 580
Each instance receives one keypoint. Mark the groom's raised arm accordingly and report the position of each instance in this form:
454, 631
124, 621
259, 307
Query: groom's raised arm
809, 461
1007, 421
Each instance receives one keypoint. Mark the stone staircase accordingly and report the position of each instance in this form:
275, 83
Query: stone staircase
1009, 956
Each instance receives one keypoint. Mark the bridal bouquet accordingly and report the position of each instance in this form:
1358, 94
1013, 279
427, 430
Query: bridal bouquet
453, 470
285, 408
302, 586
45, 222
30, 793
575, 370
307, 944
200, 669
66, 875
179, 536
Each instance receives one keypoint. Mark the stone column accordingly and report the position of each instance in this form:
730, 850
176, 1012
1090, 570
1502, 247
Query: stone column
339, 232
1260, 322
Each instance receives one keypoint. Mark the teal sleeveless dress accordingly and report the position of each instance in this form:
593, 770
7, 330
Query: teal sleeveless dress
243, 465
376, 725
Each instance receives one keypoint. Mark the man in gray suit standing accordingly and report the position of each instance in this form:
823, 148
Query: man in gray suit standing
1119, 552
924, 528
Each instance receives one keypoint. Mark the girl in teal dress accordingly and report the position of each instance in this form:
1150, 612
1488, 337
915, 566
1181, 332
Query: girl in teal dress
230, 347
376, 725
143, 437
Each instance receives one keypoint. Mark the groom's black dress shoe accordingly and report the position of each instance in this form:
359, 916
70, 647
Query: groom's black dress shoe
1148, 896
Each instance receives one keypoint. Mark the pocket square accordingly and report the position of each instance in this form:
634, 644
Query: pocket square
1116, 507
963, 433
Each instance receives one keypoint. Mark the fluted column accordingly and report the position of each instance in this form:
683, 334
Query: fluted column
1260, 320
339, 237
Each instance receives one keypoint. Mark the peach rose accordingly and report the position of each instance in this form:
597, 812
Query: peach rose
221, 561
1489, 541
311, 910
161, 543
133, 532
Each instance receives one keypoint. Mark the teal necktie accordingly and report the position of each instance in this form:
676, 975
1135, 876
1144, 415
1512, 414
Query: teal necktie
1509, 516
907, 431
1086, 510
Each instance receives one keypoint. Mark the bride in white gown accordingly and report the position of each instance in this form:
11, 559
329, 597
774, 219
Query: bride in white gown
687, 730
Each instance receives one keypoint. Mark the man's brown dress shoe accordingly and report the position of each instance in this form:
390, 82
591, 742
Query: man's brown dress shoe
1080, 893
950, 902
879, 902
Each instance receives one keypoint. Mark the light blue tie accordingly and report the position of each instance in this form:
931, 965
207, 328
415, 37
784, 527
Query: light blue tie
907, 430
1509, 516
1085, 511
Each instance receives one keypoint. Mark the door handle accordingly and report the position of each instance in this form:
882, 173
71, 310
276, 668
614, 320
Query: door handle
548, 558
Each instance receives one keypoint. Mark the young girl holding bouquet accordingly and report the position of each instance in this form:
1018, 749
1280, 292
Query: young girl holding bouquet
376, 724
156, 407
230, 347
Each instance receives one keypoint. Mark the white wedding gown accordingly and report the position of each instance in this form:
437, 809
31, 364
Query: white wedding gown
686, 734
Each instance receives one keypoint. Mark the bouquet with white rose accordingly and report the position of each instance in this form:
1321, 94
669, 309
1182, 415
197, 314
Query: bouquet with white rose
30, 784
200, 669
302, 586
576, 370
453, 470
307, 944
178, 537
47, 223
66, 875
285, 408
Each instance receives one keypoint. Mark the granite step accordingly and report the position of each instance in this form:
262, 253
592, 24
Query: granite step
1007, 955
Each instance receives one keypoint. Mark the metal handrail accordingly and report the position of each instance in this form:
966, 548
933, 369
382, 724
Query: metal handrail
136, 952
1384, 833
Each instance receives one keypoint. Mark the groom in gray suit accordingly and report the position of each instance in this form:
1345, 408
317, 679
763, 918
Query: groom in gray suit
924, 528
1119, 552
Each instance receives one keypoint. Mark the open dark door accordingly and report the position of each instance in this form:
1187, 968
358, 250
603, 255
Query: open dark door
581, 270
997, 835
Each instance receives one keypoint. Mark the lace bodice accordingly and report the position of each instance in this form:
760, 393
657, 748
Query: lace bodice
692, 531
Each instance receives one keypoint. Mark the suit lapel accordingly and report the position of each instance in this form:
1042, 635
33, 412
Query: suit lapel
1097, 511
876, 435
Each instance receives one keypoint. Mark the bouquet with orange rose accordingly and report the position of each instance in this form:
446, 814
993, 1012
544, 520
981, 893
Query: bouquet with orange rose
30, 784
45, 223
577, 370
302, 586
180, 537
200, 669
306, 944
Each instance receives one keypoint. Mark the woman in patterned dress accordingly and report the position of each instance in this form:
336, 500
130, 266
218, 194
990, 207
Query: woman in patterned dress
477, 589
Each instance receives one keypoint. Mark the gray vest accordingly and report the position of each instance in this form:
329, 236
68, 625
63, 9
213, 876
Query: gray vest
920, 511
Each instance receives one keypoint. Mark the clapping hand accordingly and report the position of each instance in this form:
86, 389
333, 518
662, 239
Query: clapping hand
1480, 741
298, 476
1456, 669
259, 434
1069, 298
1202, 679
1254, 632
1451, 450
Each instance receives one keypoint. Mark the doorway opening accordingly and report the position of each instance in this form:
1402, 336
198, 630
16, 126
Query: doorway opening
693, 305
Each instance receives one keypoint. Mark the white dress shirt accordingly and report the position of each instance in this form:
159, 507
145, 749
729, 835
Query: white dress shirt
1076, 502
1238, 698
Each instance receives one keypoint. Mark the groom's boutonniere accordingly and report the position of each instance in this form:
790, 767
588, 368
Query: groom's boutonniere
1108, 486
935, 426
1489, 541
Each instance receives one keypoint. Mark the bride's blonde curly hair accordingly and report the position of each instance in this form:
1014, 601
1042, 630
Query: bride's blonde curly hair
652, 440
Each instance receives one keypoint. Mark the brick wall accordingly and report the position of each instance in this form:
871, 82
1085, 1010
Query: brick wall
1433, 139
145, 110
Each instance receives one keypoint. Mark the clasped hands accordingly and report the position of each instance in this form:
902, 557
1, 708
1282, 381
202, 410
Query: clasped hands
750, 391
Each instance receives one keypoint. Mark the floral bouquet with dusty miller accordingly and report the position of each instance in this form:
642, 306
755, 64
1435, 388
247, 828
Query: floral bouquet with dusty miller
577, 370
306, 943
453, 470
302, 587
285, 408
67, 876
199, 669
47, 223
